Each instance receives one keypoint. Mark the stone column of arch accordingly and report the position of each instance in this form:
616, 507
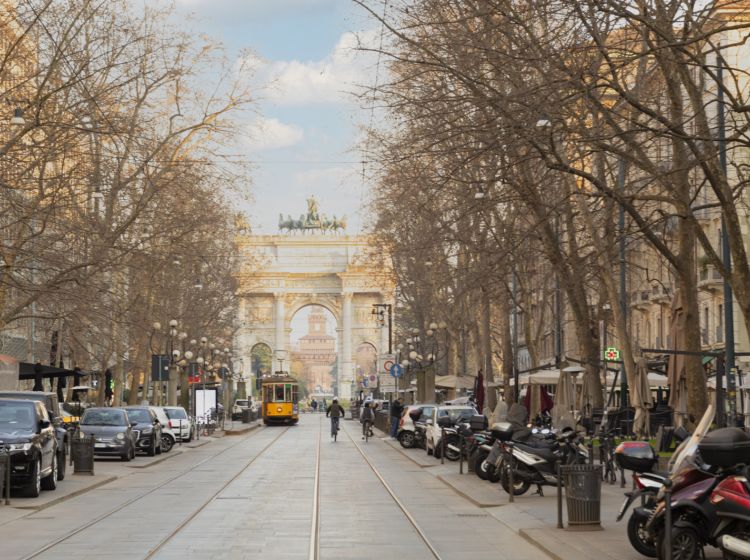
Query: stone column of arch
345, 380
279, 329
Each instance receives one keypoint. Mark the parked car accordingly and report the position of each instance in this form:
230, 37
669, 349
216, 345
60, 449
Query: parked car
449, 415
49, 400
168, 435
112, 431
147, 429
27, 433
182, 425
406, 428
239, 406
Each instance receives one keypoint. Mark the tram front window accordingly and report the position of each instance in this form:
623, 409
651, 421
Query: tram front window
279, 396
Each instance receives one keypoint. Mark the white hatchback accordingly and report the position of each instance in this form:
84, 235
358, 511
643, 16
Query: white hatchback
180, 422
450, 415
168, 437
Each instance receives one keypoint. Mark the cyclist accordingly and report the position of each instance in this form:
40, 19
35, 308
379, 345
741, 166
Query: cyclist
367, 418
335, 411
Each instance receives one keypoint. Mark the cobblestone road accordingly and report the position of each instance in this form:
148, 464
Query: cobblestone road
254, 496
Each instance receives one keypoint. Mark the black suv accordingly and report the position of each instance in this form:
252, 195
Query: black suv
147, 428
53, 410
26, 432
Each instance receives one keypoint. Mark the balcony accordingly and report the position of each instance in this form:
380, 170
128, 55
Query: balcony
710, 279
641, 299
660, 293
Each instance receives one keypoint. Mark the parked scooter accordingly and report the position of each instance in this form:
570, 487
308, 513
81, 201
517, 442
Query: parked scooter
536, 462
641, 458
731, 502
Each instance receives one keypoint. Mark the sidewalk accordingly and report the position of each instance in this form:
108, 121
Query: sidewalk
535, 517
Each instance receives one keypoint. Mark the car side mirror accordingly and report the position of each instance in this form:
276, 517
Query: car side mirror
44, 424
133, 424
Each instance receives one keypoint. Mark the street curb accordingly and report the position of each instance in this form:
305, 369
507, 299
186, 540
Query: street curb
195, 443
533, 542
61, 499
464, 495
164, 457
397, 447
241, 431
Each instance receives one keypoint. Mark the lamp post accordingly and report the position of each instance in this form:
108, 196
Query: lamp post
379, 310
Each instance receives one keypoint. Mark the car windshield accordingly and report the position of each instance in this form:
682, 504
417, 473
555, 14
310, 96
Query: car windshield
456, 414
103, 418
241, 403
16, 417
139, 415
176, 414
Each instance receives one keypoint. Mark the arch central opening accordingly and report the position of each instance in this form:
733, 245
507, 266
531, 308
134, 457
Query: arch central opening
314, 349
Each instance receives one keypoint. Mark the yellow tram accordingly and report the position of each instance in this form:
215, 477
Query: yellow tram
280, 400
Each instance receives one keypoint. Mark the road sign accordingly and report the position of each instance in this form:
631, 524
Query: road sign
373, 381
386, 361
387, 383
397, 370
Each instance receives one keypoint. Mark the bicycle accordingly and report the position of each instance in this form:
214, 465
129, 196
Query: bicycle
607, 456
367, 429
334, 427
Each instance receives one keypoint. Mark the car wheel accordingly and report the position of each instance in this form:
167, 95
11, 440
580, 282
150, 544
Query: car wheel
166, 443
152, 448
428, 448
49, 482
34, 488
406, 439
61, 465
126, 455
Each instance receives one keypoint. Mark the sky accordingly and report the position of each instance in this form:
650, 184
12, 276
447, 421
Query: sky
306, 124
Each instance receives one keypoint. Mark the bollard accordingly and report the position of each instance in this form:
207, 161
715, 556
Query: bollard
511, 481
5, 460
442, 446
668, 518
461, 454
559, 498
622, 477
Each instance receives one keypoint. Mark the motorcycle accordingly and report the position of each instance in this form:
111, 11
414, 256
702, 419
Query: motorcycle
703, 474
731, 502
639, 457
535, 462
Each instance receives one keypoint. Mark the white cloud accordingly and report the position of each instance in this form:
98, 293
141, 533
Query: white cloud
272, 134
330, 80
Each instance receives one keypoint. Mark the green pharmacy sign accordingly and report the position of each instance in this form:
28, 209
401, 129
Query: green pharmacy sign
611, 354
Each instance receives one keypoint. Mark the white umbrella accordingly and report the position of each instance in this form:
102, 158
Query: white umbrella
564, 399
641, 399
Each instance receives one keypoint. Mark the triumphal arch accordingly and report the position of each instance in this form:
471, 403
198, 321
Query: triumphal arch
312, 264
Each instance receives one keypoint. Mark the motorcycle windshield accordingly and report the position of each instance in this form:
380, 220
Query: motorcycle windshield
685, 456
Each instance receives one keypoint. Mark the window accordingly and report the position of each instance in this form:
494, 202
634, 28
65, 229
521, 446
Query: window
279, 393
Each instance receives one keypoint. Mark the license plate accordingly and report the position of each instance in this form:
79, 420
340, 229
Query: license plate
100, 445
623, 507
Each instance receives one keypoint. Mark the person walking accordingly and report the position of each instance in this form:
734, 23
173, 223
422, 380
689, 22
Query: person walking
314, 405
335, 412
397, 410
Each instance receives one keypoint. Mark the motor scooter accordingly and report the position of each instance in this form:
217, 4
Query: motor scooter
731, 502
537, 462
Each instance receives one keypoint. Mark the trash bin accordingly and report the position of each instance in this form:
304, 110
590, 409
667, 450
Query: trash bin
247, 415
82, 454
583, 495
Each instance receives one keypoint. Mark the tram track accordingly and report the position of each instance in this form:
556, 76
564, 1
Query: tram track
407, 514
314, 550
98, 519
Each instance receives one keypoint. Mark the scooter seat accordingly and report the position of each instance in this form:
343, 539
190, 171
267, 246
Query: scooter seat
543, 452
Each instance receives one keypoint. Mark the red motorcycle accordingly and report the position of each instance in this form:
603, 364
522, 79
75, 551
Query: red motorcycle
731, 502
